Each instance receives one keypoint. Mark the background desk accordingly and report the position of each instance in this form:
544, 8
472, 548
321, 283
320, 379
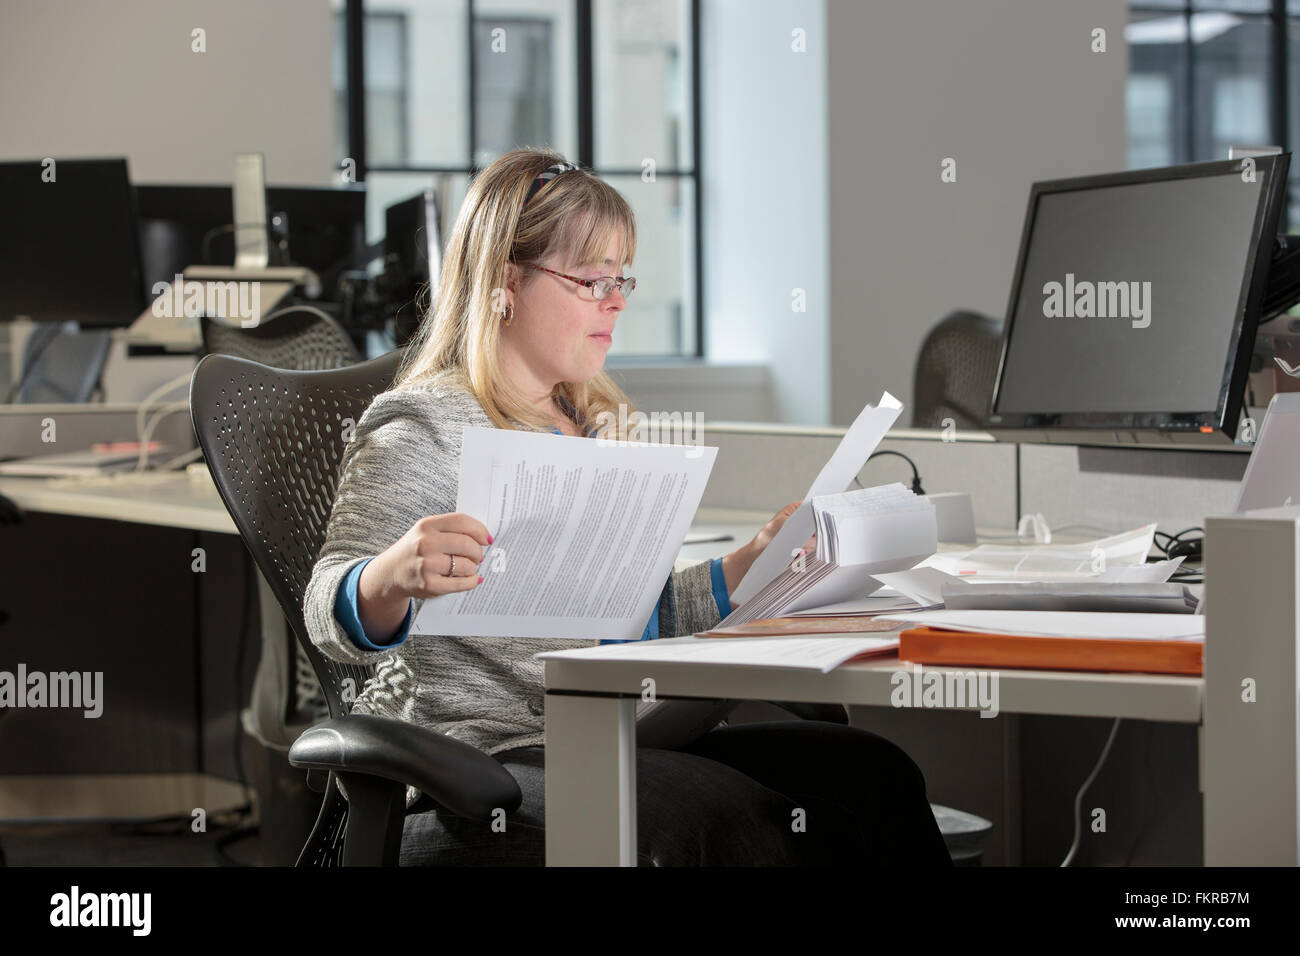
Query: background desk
99, 579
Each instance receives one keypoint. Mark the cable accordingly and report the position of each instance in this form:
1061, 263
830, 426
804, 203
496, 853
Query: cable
194, 454
142, 461
916, 475
1078, 798
143, 410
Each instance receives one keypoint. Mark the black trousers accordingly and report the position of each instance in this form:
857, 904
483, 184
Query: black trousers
775, 793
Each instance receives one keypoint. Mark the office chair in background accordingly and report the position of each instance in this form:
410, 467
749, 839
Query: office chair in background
295, 337
955, 371
281, 503
61, 363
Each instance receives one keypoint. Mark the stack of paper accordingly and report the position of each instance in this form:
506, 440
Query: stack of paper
859, 534
839, 471
1118, 558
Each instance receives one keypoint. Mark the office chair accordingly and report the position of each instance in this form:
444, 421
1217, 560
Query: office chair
61, 363
272, 441
955, 371
286, 695
295, 337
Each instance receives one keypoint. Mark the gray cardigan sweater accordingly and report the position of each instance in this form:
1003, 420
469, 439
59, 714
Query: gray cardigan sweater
402, 465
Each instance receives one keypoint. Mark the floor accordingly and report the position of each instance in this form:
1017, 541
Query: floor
119, 844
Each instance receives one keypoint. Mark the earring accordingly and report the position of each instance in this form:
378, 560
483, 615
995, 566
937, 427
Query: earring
508, 314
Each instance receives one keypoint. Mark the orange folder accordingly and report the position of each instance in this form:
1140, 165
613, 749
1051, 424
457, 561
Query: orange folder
931, 645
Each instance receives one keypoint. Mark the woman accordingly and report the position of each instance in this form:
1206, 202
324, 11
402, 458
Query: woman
529, 296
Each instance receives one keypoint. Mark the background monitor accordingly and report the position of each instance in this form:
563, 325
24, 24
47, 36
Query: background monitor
1133, 310
324, 228
69, 247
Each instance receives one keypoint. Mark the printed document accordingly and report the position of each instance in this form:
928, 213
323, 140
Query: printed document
585, 532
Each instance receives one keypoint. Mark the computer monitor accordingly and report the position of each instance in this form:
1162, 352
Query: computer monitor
412, 260
69, 248
1135, 301
183, 225
1272, 476
326, 227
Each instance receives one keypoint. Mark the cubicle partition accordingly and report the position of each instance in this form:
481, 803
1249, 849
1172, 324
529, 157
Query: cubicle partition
1114, 489
763, 467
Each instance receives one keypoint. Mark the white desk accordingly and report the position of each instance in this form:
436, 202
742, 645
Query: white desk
171, 500
1248, 755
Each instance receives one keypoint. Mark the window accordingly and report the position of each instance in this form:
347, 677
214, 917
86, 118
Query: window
1208, 74
612, 84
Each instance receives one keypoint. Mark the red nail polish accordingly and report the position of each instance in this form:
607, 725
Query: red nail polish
480, 579
489, 539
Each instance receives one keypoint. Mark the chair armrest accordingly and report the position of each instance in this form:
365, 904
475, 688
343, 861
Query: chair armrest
462, 778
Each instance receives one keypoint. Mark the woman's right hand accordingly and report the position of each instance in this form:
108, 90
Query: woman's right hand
417, 566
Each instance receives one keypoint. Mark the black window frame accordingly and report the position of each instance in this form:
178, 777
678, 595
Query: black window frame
1277, 71
354, 12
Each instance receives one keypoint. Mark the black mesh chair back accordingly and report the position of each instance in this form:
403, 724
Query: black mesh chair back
955, 371
295, 338
273, 440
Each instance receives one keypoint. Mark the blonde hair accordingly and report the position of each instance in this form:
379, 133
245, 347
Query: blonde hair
459, 338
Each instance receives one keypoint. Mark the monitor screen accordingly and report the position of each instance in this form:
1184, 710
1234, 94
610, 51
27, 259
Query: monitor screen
182, 226
69, 250
1136, 297
193, 225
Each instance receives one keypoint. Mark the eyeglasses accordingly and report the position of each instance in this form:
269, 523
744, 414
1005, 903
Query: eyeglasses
601, 287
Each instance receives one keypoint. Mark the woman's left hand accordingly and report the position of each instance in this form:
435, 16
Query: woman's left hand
736, 564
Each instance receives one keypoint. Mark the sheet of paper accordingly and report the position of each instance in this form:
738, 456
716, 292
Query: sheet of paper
1064, 624
1082, 561
822, 654
923, 584
1157, 572
861, 607
847, 460
584, 534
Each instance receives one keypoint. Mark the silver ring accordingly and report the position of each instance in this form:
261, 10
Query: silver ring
452, 572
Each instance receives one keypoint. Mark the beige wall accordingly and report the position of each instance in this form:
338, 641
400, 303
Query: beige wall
1012, 92
118, 78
